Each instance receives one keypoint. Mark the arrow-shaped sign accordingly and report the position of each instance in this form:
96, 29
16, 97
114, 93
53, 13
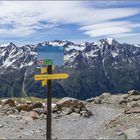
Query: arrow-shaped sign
39, 77
44, 83
44, 70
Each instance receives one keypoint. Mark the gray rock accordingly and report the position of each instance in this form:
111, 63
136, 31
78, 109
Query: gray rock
39, 131
40, 110
54, 108
1, 125
67, 102
125, 96
42, 117
133, 98
90, 100
86, 114
133, 92
105, 95
36, 105
75, 114
133, 104
132, 110
97, 100
66, 110
77, 110
113, 99
8, 109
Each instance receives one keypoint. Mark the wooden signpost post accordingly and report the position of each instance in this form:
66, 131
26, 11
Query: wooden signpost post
49, 56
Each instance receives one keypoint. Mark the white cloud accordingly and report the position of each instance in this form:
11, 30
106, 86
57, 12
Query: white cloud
109, 28
124, 35
107, 31
25, 16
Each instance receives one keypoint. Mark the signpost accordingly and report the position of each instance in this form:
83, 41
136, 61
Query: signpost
39, 77
49, 104
44, 83
49, 56
44, 69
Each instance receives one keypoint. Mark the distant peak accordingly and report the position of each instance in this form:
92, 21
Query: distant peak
4, 45
12, 44
8, 44
110, 40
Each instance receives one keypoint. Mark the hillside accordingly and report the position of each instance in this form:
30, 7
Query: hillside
94, 68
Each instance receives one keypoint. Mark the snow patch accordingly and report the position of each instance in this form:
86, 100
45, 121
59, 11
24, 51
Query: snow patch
78, 48
56, 43
4, 45
69, 57
137, 45
114, 54
110, 40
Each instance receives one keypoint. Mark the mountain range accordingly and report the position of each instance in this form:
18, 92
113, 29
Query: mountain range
94, 68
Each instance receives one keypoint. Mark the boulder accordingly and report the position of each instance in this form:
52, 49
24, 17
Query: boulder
36, 105
75, 114
105, 95
133, 98
86, 114
34, 115
133, 92
66, 111
28, 102
90, 100
54, 108
133, 104
24, 107
132, 110
113, 99
77, 110
8, 101
125, 96
97, 100
7, 110
68, 102
42, 116
40, 110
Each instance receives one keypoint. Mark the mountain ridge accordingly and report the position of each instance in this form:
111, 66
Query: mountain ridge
96, 67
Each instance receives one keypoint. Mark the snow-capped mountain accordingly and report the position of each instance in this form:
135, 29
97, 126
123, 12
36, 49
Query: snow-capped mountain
102, 66
19, 57
16, 57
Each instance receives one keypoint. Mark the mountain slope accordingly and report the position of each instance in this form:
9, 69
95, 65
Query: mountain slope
103, 66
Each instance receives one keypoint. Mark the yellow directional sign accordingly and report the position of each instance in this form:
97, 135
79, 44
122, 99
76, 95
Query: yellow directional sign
44, 70
44, 83
51, 76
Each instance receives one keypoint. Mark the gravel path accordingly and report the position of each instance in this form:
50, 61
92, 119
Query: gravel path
16, 127
69, 127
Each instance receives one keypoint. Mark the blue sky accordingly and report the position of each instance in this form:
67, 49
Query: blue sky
31, 22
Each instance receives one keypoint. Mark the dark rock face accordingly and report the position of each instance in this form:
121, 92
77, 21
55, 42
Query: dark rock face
94, 68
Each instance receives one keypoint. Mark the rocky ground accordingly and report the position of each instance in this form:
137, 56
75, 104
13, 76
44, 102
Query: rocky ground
104, 117
112, 117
